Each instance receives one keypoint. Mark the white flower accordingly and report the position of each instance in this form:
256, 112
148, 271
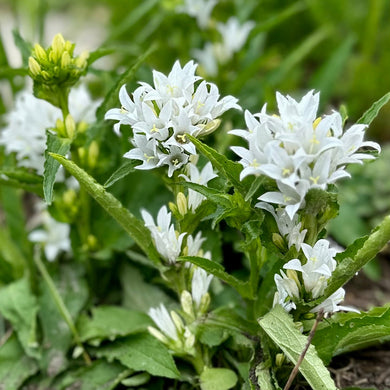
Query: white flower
199, 9
203, 177
200, 284
234, 36
331, 304
164, 321
54, 236
289, 228
163, 114
320, 264
207, 58
298, 150
25, 133
168, 242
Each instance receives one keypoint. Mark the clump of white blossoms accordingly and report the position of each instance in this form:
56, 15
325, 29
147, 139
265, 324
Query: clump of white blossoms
53, 235
167, 240
199, 9
234, 36
299, 150
308, 279
162, 115
25, 133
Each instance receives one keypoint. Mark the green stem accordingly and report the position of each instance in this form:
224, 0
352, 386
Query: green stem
61, 305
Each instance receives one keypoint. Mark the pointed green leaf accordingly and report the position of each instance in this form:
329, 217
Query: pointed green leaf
15, 365
54, 144
133, 226
373, 111
227, 168
216, 269
19, 306
126, 168
109, 322
280, 327
24, 46
99, 53
346, 332
142, 352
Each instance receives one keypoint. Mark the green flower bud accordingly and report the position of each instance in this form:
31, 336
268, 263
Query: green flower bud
65, 59
181, 202
187, 304
34, 67
279, 241
279, 359
40, 53
57, 47
93, 154
70, 126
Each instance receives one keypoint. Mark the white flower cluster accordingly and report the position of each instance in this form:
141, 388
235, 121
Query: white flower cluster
198, 9
234, 36
314, 274
53, 235
299, 150
25, 133
162, 115
168, 241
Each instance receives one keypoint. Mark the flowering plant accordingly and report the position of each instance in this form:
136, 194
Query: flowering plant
156, 258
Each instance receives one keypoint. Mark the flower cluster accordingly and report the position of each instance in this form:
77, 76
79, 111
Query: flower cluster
172, 330
25, 133
53, 235
56, 69
162, 115
312, 279
299, 150
234, 36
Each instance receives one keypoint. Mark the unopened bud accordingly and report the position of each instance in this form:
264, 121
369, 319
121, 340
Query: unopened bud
40, 53
81, 152
181, 202
187, 303
46, 75
81, 60
292, 274
177, 321
189, 340
60, 128
93, 154
70, 126
279, 359
158, 335
204, 303
69, 197
33, 66
57, 47
210, 127
65, 59
173, 208
92, 242
279, 241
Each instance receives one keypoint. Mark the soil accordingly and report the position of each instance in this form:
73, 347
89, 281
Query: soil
368, 368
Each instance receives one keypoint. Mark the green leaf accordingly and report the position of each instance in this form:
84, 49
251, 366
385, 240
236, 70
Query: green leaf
24, 46
57, 337
264, 377
112, 97
54, 144
142, 352
34, 188
109, 322
138, 294
217, 378
126, 168
346, 332
280, 327
373, 111
15, 366
19, 306
216, 269
227, 168
99, 53
133, 226
100, 375
22, 175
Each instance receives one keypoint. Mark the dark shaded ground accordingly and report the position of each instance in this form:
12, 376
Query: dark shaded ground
369, 368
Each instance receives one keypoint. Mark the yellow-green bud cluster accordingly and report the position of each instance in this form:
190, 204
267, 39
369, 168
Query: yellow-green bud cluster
56, 68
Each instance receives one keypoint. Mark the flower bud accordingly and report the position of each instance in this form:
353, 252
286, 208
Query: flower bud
93, 154
158, 335
187, 303
69, 197
292, 274
204, 303
279, 241
81, 60
181, 202
40, 53
70, 126
189, 340
65, 59
279, 359
33, 66
177, 321
92, 242
60, 128
57, 47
